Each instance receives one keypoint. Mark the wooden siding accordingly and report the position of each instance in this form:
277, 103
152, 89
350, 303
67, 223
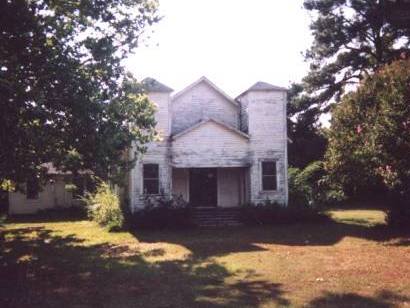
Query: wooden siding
210, 145
199, 103
52, 195
260, 114
180, 182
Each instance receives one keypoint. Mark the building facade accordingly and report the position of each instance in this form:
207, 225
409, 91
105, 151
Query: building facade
214, 151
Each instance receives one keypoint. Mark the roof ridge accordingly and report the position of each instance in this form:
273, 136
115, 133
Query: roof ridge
262, 86
211, 84
152, 85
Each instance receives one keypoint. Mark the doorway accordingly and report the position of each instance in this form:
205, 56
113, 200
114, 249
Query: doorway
203, 187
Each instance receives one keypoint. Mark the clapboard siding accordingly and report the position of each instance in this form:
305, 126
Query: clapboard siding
210, 145
199, 103
202, 127
266, 123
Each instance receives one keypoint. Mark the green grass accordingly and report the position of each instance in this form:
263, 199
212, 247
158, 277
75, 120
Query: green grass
354, 261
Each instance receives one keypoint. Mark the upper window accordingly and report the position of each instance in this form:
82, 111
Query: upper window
151, 179
269, 175
32, 188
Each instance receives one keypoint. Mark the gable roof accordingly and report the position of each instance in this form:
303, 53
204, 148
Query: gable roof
205, 121
153, 85
208, 82
262, 86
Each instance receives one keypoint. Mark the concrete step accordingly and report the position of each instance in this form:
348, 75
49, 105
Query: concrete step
216, 217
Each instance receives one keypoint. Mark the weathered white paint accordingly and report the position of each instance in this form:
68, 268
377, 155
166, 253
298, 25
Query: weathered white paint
210, 145
266, 123
230, 187
180, 182
200, 128
201, 102
52, 195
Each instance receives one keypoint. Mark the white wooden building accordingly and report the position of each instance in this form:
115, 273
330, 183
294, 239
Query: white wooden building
215, 151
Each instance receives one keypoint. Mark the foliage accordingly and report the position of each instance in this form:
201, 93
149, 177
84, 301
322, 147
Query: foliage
65, 97
351, 40
369, 139
104, 207
310, 186
271, 213
307, 141
162, 212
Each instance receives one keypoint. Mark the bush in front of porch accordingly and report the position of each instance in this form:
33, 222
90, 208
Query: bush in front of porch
162, 212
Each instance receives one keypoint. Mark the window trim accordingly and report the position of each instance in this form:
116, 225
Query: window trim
144, 178
275, 161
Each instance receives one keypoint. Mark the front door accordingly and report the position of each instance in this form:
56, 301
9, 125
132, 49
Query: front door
203, 187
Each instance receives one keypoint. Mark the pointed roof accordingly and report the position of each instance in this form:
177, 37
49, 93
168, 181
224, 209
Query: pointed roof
211, 84
262, 86
208, 120
153, 85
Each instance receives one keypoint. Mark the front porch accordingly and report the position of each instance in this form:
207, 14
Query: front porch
225, 187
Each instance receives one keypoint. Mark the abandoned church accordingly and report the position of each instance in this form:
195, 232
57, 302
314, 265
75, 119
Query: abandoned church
215, 151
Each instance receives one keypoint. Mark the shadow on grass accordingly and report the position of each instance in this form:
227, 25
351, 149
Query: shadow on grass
50, 215
384, 299
41, 269
222, 241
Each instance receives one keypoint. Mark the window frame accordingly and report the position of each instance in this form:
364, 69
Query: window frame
275, 176
150, 179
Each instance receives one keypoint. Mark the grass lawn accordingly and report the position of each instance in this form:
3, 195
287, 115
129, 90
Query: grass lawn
353, 261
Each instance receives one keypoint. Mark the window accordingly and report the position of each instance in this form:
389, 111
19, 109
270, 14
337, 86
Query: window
151, 179
269, 175
32, 188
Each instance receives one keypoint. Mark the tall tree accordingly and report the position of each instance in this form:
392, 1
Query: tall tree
307, 142
351, 39
369, 140
64, 94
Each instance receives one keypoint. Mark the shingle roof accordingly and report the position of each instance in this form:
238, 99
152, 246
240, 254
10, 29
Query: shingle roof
262, 86
152, 85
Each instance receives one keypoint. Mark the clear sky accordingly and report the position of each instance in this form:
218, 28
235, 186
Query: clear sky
232, 42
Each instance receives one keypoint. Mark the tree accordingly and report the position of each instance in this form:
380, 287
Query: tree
369, 139
351, 40
307, 142
64, 94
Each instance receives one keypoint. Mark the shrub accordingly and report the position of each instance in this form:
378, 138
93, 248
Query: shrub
270, 213
311, 187
104, 207
161, 212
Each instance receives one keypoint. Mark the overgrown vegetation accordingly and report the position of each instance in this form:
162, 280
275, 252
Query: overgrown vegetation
104, 207
272, 213
311, 187
369, 140
65, 95
163, 212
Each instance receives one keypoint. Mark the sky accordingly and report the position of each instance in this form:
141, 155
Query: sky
234, 43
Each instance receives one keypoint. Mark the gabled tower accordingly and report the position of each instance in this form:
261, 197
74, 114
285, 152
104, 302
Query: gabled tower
154, 163
263, 117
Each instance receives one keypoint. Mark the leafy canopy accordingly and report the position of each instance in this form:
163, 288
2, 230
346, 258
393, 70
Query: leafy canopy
369, 139
307, 141
351, 39
64, 94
